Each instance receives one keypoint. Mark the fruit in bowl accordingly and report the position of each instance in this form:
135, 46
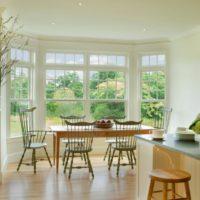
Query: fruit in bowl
103, 123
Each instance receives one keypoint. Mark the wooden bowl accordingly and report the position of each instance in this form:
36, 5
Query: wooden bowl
103, 125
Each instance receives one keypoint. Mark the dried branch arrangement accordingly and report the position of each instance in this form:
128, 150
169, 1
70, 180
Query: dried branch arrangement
8, 36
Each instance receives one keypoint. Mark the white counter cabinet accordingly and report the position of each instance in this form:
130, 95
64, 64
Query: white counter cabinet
152, 154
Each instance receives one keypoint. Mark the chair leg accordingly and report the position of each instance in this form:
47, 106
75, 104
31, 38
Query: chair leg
173, 191
128, 156
89, 165
150, 193
71, 165
133, 153
187, 189
111, 160
110, 152
66, 163
20, 162
107, 151
84, 157
64, 154
118, 164
47, 156
164, 191
131, 157
34, 160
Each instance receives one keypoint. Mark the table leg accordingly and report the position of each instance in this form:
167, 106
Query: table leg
54, 148
57, 152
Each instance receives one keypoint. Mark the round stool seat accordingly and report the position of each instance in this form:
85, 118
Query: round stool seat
170, 175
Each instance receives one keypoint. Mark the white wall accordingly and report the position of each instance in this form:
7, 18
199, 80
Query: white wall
184, 84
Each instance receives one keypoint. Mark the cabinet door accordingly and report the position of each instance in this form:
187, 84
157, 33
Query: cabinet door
144, 165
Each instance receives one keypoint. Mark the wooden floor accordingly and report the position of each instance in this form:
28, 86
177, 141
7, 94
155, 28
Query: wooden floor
47, 185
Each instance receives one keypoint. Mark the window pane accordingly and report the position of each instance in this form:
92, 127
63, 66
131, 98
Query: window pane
25, 72
120, 90
20, 96
100, 109
59, 73
50, 74
20, 83
147, 111
64, 85
50, 89
55, 108
13, 53
70, 59
107, 85
108, 60
19, 54
121, 60
79, 59
15, 127
94, 60
145, 60
153, 60
94, 75
50, 58
153, 85
103, 60
26, 56
60, 58
161, 59
112, 60
63, 58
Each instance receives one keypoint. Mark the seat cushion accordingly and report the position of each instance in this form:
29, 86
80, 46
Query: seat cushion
37, 145
110, 140
72, 140
123, 147
79, 149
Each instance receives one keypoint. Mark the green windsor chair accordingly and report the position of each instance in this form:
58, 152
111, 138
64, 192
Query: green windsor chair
111, 140
125, 142
72, 119
80, 143
162, 118
32, 139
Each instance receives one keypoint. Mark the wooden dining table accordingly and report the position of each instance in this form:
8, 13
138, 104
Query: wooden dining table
62, 132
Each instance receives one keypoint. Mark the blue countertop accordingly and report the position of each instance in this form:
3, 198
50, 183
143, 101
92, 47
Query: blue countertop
189, 148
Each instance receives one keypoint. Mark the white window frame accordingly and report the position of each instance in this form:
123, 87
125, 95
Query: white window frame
156, 68
86, 68
30, 66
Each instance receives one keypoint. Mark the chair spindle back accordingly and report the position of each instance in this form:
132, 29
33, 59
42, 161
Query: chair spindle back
126, 139
84, 138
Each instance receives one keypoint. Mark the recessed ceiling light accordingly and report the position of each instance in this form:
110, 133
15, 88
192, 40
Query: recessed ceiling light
144, 29
80, 3
53, 23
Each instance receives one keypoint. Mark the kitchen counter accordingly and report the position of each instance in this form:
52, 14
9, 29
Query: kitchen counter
166, 154
189, 148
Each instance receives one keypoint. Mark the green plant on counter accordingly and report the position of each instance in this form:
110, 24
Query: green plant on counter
195, 126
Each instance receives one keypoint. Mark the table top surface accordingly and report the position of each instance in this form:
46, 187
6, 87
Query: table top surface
189, 148
60, 128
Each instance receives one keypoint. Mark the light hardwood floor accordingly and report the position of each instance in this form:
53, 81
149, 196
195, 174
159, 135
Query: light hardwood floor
47, 185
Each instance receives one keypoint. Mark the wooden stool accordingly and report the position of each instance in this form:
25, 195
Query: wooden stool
172, 176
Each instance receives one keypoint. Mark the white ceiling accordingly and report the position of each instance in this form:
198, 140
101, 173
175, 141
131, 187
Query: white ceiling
130, 20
